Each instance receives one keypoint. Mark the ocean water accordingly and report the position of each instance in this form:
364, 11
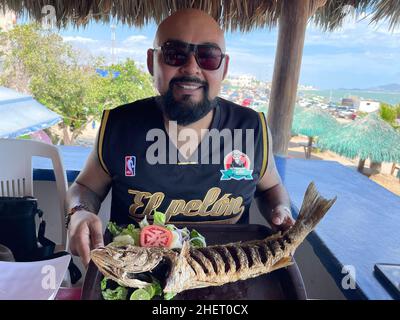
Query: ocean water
392, 98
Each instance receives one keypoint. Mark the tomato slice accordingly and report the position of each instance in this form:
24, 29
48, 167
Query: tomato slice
155, 236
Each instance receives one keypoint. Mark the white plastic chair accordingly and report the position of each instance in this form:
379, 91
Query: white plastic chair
16, 172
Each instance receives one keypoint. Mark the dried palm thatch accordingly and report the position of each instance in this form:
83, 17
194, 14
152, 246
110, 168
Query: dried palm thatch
366, 138
313, 122
232, 14
331, 16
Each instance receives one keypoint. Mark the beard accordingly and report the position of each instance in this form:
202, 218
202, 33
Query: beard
185, 112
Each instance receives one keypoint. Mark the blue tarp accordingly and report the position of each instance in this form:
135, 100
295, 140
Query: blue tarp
20, 114
106, 73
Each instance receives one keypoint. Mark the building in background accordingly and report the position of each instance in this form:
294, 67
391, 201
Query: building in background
369, 105
351, 102
242, 81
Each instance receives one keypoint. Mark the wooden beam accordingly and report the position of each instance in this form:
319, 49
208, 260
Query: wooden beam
292, 27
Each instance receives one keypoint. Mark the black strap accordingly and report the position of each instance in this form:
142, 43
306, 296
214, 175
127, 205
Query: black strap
46, 250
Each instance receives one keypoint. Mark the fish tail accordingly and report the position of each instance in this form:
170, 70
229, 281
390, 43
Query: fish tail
313, 209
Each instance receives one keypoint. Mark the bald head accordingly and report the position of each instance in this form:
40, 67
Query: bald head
192, 26
185, 78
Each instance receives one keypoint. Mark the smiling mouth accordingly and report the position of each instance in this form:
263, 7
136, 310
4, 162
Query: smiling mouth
189, 86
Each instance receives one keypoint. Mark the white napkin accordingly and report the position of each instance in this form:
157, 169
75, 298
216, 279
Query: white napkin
38, 280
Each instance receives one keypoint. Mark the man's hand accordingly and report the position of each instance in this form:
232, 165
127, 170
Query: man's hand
85, 234
281, 218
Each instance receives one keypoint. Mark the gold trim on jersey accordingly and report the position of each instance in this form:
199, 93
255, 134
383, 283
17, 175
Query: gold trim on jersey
265, 144
101, 139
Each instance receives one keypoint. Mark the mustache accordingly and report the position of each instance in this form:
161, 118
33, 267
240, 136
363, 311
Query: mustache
188, 79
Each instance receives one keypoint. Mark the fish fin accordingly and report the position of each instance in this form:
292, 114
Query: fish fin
284, 262
185, 250
274, 236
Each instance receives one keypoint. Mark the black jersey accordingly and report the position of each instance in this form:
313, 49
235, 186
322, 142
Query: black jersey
215, 185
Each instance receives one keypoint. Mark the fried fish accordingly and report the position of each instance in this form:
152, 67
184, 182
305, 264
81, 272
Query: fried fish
190, 268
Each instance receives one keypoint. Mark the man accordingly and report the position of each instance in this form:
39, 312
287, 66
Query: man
188, 63
237, 161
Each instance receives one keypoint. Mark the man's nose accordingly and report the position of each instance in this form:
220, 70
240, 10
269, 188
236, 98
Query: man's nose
191, 66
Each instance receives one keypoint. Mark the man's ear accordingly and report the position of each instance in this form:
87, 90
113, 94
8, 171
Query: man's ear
150, 61
226, 66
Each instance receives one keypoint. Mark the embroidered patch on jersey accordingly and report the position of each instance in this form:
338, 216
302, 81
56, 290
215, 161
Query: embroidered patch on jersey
237, 166
130, 166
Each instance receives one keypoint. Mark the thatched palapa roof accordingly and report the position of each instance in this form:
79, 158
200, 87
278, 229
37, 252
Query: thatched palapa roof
313, 122
232, 14
367, 138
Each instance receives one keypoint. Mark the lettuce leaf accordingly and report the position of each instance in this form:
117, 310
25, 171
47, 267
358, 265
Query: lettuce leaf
120, 293
159, 218
114, 229
130, 230
157, 288
123, 240
197, 240
103, 283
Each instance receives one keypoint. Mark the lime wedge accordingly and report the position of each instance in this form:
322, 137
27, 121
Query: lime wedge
140, 294
151, 290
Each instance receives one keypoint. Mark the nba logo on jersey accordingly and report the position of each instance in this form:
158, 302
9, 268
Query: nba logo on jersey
130, 164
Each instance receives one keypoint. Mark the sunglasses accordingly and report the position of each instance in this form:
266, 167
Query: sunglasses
177, 53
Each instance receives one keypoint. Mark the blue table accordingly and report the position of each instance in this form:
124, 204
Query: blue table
361, 229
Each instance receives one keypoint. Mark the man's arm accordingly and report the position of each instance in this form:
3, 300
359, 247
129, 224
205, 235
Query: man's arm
273, 200
89, 190
91, 186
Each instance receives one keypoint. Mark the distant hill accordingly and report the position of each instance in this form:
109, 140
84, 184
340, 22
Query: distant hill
392, 87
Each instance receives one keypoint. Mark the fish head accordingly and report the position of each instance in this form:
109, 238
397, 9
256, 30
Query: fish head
124, 264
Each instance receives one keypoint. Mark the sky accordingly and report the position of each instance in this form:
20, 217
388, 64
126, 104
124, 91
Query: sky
358, 55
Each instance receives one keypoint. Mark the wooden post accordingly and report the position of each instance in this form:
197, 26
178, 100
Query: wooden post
292, 28
393, 168
361, 164
310, 145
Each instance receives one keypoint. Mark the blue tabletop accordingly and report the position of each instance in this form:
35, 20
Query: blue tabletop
361, 229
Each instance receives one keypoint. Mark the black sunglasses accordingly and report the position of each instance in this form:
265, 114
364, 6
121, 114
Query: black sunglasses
176, 54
